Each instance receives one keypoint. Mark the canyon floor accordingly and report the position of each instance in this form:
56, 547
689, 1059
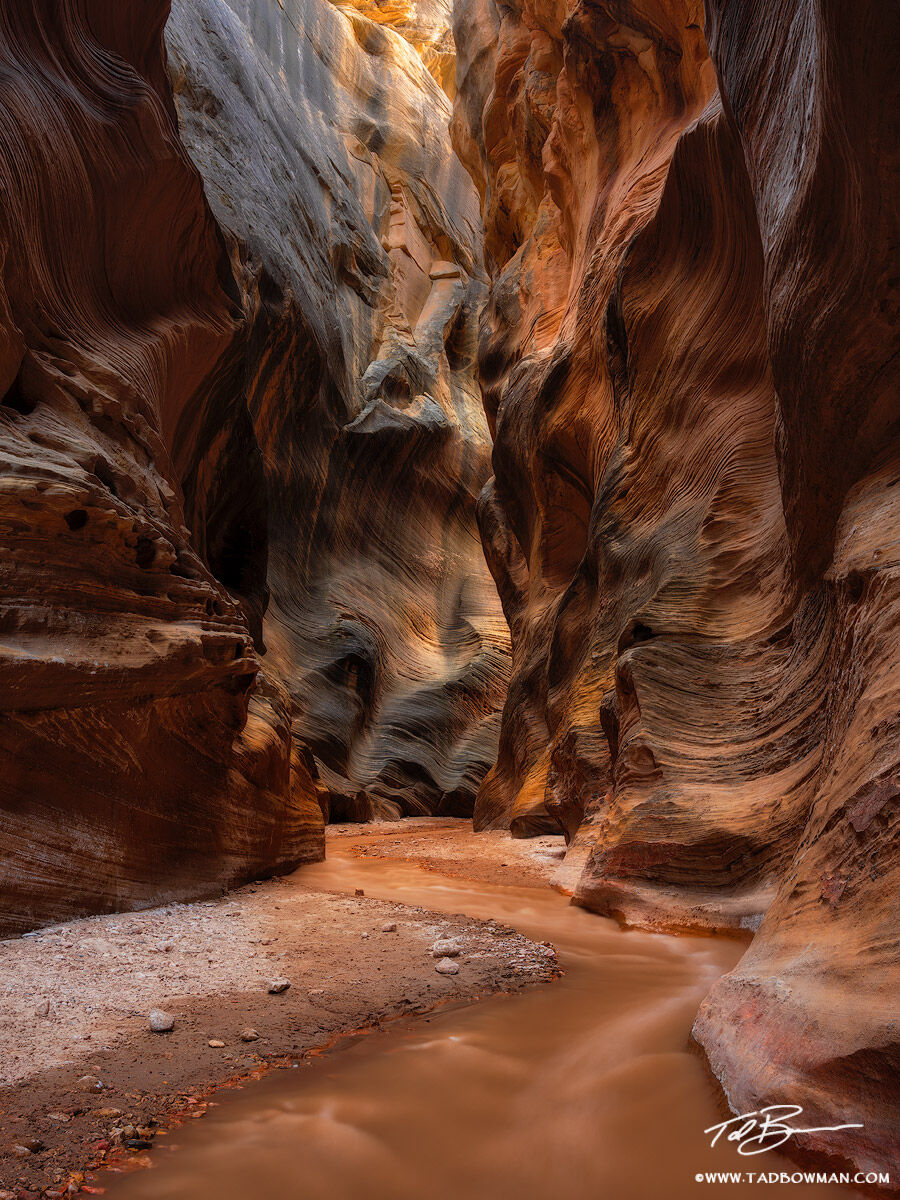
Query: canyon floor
82, 1074
557, 1060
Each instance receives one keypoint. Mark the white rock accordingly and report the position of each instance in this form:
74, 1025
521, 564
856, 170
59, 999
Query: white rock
447, 967
389, 927
161, 1022
446, 949
277, 986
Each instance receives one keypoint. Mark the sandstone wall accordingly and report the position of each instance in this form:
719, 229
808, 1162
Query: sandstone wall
216, 390
355, 237
139, 757
688, 362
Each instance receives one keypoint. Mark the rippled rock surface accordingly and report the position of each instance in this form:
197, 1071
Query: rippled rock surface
220, 395
688, 362
355, 236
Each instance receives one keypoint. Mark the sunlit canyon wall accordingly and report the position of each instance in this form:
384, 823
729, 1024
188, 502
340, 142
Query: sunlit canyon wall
688, 360
241, 585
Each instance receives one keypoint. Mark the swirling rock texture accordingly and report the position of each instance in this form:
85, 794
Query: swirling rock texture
688, 362
356, 238
197, 414
141, 753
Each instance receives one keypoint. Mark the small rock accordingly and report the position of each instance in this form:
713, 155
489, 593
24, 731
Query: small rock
313, 992
359, 892
122, 1133
249, 1035
42, 1009
33, 1145
389, 927
365, 935
21, 1151
138, 1144
107, 1112
215, 1043
89, 1083
168, 948
277, 986
161, 1022
58, 1116
502, 931
445, 949
447, 967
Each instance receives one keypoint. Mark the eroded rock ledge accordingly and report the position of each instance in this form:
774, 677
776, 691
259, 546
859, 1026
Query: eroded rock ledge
689, 366
238, 411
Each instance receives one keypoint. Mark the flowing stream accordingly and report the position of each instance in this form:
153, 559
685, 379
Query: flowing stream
582, 1089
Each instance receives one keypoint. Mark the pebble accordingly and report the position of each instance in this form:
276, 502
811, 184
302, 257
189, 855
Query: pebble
447, 967
33, 1145
249, 1035
58, 1116
122, 1133
277, 986
215, 1044
89, 1083
365, 935
107, 1112
161, 1022
42, 1009
21, 1151
315, 992
359, 892
445, 949
389, 927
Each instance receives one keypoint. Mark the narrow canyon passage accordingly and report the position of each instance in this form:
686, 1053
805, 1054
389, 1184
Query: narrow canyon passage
584, 1088
476, 420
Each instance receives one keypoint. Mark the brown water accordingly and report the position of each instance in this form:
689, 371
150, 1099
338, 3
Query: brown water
583, 1089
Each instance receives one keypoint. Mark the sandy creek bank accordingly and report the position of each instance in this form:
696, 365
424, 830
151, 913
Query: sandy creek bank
75, 999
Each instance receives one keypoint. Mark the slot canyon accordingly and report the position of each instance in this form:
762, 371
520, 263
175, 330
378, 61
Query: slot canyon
462, 437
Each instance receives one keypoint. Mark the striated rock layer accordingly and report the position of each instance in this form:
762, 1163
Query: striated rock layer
141, 754
355, 238
198, 413
688, 362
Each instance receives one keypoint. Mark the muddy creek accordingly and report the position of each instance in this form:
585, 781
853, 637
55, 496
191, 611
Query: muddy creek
584, 1088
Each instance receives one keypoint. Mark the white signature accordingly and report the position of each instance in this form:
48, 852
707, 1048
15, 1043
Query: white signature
757, 1132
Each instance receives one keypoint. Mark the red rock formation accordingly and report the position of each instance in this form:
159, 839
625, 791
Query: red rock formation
686, 358
810, 1013
195, 415
140, 757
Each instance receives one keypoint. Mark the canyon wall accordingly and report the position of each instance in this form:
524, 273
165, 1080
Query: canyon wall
141, 753
688, 362
355, 237
240, 581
